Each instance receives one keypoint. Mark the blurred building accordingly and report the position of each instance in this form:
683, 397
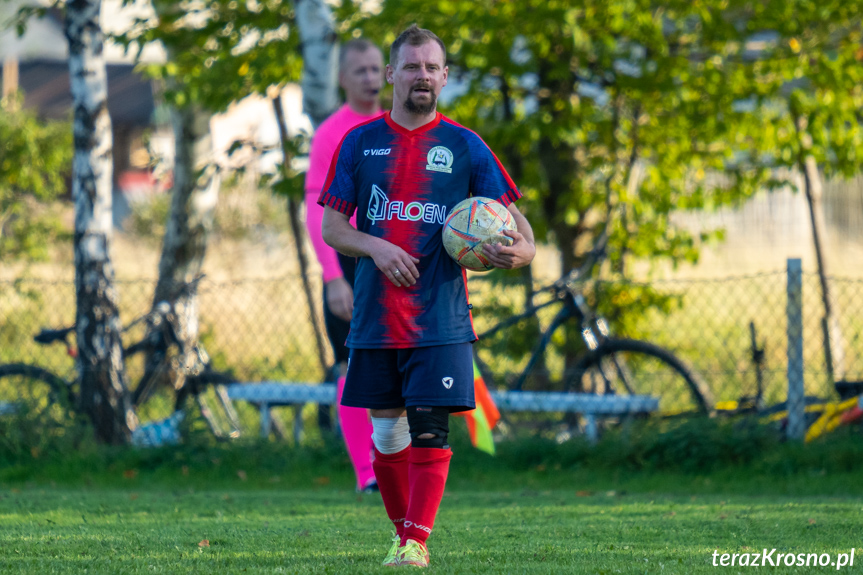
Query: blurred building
37, 65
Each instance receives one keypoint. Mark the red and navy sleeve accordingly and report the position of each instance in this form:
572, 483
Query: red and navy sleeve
488, 177
339, 191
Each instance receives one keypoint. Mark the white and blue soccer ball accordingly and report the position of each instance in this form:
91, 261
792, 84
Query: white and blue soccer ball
472, 224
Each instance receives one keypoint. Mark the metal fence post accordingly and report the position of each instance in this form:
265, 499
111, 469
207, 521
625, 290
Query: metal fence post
794, 310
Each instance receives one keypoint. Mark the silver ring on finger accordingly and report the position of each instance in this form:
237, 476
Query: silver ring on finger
397, 272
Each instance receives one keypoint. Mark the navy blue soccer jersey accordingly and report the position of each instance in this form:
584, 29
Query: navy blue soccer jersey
403, 184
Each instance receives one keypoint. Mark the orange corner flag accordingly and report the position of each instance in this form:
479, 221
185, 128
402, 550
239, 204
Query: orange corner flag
481, 421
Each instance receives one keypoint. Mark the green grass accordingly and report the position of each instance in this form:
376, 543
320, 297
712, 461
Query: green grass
141, 529
658, 500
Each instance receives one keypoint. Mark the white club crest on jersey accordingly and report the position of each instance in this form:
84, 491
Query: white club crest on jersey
447, 382
439, 159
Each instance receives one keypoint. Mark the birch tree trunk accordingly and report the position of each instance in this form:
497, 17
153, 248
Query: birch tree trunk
320, 98
320, 59
104, 394
194, 196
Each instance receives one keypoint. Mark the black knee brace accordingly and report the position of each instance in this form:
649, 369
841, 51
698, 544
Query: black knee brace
429, 420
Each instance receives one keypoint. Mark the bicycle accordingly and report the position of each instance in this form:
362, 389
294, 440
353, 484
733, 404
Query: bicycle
847, 411
607, 365
820, 414
48, 401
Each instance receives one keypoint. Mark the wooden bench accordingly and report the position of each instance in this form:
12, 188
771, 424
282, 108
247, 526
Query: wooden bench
269, 394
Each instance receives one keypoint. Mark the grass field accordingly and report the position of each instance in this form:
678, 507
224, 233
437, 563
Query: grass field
179, 518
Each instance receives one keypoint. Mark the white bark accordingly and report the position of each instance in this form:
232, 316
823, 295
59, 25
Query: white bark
103, 397
190, 222
194, 196
320, 59
320, 98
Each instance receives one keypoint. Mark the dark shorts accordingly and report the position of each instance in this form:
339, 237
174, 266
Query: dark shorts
440, 376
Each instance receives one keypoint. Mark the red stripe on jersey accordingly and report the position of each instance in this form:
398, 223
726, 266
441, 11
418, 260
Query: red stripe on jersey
405, 132
401, 307
337, 204
512, 194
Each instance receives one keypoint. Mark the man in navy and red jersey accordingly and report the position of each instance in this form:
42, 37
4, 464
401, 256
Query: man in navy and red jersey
411, 331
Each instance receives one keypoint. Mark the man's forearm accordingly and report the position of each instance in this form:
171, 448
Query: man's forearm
523, 226
396, 264
340, 235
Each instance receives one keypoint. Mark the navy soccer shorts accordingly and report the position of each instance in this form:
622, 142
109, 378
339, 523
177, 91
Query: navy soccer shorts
439, 376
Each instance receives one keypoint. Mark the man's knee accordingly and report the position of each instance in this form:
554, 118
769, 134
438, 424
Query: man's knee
429, 426
390, 434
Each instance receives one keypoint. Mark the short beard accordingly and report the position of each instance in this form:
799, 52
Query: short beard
421, 109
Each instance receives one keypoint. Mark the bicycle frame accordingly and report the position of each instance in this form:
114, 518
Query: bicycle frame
160, 337
594, 329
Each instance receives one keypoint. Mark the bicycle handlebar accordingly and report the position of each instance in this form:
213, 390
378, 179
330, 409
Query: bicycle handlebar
158, 315
47, 336
163, 308
564, 284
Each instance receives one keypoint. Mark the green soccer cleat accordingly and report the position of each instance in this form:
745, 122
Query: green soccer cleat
392, 558
413, 553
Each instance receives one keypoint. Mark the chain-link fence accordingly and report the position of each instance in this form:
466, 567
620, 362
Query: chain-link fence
713, 328
262, 330
257, 329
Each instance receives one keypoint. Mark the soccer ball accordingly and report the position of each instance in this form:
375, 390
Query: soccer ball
473, 223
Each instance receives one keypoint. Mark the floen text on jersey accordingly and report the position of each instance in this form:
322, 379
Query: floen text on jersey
381, 208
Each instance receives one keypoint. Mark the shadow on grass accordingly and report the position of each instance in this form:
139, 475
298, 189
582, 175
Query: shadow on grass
704, 455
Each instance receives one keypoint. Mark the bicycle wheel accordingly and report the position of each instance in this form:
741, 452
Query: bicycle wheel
631, 367
35, 404
210, 392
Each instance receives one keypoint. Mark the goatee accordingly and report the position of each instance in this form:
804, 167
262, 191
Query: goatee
421, 109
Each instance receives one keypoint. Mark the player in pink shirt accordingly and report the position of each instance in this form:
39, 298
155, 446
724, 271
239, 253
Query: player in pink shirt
361, 70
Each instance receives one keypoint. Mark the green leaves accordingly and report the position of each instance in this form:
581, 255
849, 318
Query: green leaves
35, 159
574, 96
809, 74
219, 51
704, 97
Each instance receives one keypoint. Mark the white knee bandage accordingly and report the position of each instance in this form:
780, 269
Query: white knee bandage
391, 434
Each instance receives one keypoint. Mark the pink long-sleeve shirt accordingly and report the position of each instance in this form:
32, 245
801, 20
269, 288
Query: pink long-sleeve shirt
324, 144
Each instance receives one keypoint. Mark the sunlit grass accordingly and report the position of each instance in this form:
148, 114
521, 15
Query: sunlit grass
510, 529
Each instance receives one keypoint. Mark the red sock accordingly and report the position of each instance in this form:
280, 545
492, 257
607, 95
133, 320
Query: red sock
429, 467
391, 472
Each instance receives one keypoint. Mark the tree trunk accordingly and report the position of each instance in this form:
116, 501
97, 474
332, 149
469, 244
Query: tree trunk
834, 349
320, 98
297, 232
194, 196
320, 59
104, 394
560, 167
